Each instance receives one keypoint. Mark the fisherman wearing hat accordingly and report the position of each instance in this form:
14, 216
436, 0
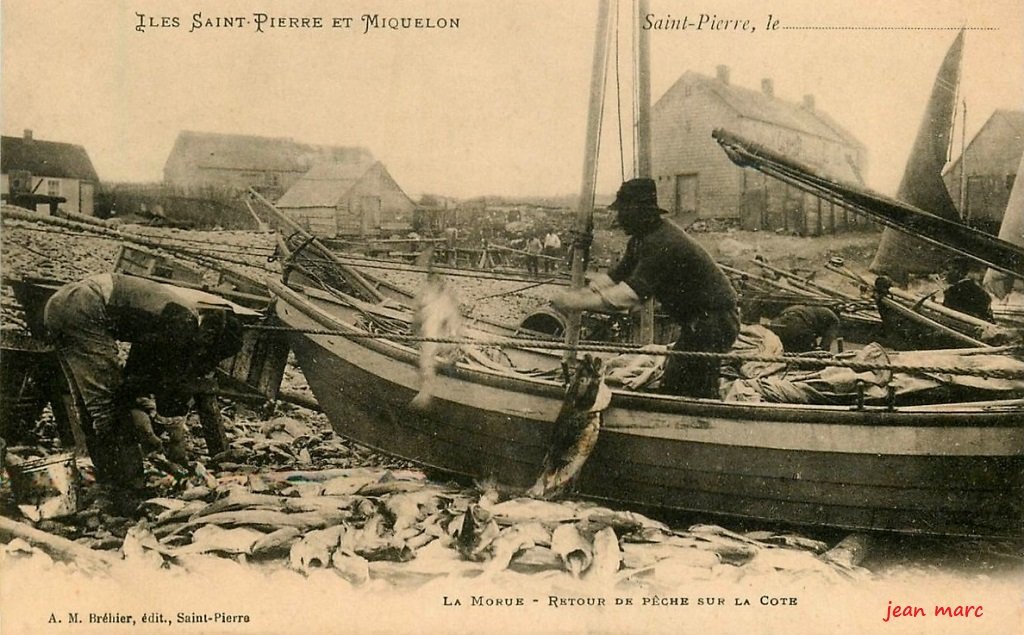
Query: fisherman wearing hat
662, 261
965, 293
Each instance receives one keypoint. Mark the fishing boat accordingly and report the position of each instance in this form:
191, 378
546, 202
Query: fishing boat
928, 468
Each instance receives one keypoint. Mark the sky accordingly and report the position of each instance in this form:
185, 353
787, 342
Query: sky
497, 106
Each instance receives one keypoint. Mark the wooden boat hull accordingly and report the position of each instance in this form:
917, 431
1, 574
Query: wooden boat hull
936, 471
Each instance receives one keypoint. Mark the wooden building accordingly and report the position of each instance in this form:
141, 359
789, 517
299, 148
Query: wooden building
32, 170
234, 163
696, 180
349, 199
992, 157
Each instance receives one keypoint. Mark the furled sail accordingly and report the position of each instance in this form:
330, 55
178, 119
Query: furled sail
922, 184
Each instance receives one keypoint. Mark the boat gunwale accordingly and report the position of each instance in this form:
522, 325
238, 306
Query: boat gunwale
987, 416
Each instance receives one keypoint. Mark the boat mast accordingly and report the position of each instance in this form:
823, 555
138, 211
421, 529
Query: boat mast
585, 207
643, 139
963, 166
643, 91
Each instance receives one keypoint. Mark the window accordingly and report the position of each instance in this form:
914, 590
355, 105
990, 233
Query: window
53, 187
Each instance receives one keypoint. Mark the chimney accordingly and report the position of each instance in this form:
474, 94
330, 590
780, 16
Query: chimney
809, 102
723, 74
768, 87
28, 134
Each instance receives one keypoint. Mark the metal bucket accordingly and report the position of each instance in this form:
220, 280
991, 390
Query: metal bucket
46, 487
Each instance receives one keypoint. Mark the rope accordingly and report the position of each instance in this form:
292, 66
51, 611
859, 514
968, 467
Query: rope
795, 360
519, 290
390, 265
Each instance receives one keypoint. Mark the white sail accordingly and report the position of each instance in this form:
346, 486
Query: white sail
998, 283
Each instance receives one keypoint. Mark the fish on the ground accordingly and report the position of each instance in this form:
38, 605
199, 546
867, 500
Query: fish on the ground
476, 533
279, 540
315, 549
351, 566
213, 538
437, 317
576, 552
575, 431
607, 556
513, 540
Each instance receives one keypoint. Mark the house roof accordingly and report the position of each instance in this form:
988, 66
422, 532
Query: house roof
46, 158
1013, 118
325, 184
756, 105
245, 152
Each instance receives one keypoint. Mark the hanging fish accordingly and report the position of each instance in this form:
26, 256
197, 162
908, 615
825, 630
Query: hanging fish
575, 431
437, 316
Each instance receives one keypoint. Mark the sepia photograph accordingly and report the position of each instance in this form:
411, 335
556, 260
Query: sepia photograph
585, 316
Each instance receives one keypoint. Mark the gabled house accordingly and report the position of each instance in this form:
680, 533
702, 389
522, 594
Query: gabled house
349, 199
992, 158
233, 163
696, 180
34, 173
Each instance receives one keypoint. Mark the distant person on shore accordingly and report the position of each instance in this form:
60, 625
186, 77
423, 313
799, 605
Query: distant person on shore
662, 261
534, 247
552, 249
805, 328
451, 242
965, 293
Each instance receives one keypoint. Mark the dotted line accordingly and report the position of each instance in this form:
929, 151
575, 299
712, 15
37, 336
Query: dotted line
889, 28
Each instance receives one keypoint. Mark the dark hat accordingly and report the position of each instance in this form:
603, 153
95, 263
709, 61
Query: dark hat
637, 194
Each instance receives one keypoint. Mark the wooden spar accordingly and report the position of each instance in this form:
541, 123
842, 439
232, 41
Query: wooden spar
951, 235
643, 141
935, 307
585, 208
771, 283
806, 285
350, 273
928, 304
256, 217
942, 328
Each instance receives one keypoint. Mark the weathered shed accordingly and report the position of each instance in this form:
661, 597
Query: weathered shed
992, 158
30, 166
349, 199
697, 180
